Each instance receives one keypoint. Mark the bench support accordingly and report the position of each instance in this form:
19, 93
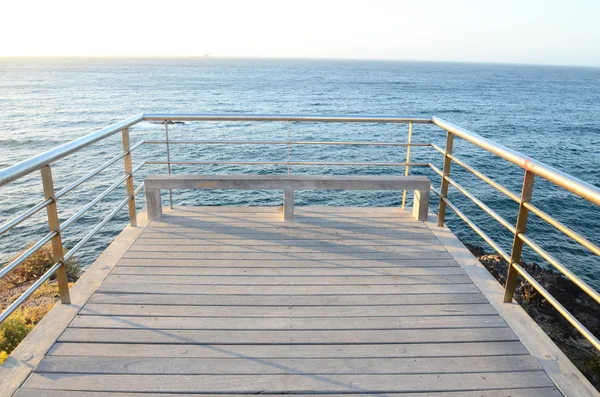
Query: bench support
288, 205
421, 204
153, 203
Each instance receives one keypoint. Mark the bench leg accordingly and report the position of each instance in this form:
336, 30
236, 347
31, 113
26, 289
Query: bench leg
421, 205
153, 203
288, 205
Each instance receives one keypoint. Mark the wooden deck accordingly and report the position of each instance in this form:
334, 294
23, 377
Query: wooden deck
340, 301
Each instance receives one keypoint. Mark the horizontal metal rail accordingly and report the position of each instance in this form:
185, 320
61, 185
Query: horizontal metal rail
560, 308
481, 205
562, 269
96, 229
13, 306
96, 171
475, 228
475, 200
240, 162
337, 143
436, 170
30, 251
437, 148
484, 178
24, 216
166, 117
98, 198
567, 231
138, 190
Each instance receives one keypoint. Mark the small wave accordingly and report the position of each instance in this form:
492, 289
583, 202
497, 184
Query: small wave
454, 111
29, 142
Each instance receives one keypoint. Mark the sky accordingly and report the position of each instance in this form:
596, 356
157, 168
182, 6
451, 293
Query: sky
558, 32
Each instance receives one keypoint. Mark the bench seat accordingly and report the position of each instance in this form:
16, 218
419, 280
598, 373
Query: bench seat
288, 183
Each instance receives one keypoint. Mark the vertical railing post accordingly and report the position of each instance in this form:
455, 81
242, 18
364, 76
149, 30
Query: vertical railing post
168, 161
517, 247
289, 146
129, 180
54, 225
406, 169
446, 173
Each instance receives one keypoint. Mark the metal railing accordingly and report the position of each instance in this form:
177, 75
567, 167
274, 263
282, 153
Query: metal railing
532, 168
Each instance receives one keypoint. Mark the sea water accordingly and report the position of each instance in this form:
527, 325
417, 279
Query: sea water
549, 113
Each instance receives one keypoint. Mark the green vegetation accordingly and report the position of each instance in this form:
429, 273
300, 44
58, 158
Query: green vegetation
16, 327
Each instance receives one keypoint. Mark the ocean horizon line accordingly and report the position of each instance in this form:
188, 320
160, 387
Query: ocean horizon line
267, 58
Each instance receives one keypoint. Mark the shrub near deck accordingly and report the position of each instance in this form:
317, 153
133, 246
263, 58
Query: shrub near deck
15, 328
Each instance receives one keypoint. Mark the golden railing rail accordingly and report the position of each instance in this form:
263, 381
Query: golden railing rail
532, 169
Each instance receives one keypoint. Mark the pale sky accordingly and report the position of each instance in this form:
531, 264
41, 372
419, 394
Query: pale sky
563, 32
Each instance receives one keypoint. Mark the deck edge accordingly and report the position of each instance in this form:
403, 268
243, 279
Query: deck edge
23, 360
567, 378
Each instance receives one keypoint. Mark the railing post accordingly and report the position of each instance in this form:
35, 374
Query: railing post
517, 247
409, 140
289, 147
129, 180
54, 225
446, 173
168, 161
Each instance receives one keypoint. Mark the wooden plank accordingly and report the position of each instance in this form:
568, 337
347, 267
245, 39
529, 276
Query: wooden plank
129, 287
286, 323
250, 365
280, 337
298, 223
288, 383
151, 234
466, 349
202, 242
381, 256
292, 263
527, 392
292, 230
392, 220
325, 281
286, 271
334, 301
287, 249
99, 309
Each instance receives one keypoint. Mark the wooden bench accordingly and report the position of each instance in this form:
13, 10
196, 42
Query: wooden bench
288, 183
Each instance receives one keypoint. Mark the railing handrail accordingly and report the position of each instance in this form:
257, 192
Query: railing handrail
551, 174
566, 181
307, 118
35, 163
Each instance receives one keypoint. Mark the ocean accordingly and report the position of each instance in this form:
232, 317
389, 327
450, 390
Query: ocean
549, 113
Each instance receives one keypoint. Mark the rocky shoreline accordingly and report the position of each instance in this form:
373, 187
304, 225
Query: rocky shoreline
566, 337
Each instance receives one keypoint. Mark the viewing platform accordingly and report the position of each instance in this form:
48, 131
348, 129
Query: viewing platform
304, 300
341, 300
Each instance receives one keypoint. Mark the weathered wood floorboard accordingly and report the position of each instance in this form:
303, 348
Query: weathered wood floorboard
396, 311
526, 392
255, 384
405, 350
